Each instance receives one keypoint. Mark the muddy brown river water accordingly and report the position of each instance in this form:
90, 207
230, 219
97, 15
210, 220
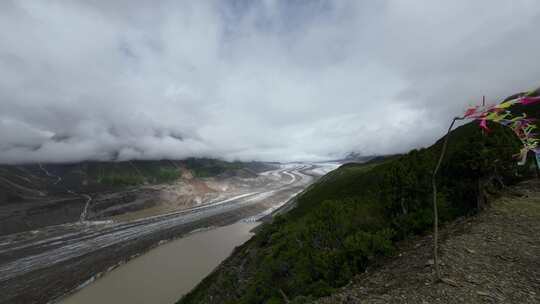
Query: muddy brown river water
167, 272
42, 265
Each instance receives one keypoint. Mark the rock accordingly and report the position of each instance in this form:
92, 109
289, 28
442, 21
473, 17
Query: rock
450, 282
484, 294
469, 250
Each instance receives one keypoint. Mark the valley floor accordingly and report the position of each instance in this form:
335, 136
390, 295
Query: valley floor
493, 257
43, 265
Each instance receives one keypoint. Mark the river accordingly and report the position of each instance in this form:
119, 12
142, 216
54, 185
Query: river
42, 265
167, 272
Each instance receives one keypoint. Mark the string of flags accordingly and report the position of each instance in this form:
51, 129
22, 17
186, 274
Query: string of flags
523, 126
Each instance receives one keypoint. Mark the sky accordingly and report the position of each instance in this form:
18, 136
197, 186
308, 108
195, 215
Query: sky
251, 80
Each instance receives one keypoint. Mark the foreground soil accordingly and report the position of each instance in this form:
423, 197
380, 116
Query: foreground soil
493, 257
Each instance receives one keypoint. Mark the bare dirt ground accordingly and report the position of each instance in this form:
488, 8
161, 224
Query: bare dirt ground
493, 257
184, 193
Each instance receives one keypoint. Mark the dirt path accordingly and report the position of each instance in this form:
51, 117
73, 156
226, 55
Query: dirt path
490, 258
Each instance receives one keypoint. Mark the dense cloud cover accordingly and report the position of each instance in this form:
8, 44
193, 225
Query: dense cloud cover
265, 80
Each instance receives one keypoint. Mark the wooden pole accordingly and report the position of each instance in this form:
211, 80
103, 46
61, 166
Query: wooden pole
435, 209
536, 164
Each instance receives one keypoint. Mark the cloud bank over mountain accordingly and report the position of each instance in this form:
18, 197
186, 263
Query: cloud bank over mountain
263, 80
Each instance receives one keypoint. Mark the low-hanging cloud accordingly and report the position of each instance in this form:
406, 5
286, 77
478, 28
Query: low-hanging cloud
262, 80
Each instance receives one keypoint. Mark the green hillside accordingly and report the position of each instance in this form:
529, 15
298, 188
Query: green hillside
94, 176
357, 213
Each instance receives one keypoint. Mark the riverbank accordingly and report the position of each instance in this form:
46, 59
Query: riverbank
493, 257
167, 272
